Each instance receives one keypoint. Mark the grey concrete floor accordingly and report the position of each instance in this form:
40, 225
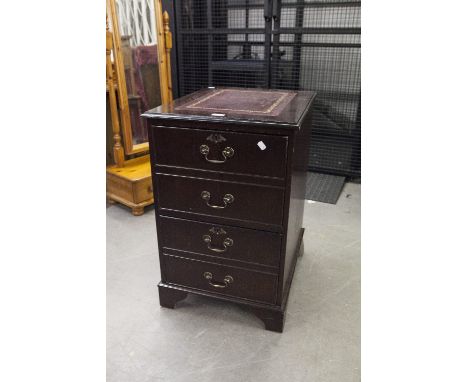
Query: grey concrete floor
205, 340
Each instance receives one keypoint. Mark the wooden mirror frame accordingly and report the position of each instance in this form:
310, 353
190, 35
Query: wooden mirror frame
164, 42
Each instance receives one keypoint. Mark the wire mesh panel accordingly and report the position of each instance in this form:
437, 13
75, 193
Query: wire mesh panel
221, 43
316, 46
283, 44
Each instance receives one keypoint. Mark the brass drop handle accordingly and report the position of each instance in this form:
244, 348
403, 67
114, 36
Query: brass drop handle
227, 199
228, 152
227, 280
228, 242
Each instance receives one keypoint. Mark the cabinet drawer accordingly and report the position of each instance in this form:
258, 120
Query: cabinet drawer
222, 241
242, 153
228, 200
230, 281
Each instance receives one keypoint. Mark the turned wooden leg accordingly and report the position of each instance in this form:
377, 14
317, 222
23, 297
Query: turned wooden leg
138, 211
273, 319
168, 297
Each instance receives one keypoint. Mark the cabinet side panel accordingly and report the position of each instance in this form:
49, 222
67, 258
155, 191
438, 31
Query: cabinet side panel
151, 139
297, 197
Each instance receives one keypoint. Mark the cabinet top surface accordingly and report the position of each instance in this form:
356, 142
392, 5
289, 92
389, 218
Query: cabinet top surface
265, 106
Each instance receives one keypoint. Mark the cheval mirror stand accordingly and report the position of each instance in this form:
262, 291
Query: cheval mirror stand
128, 179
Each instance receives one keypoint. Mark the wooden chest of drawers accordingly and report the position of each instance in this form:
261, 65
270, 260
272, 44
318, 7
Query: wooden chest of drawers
229, 174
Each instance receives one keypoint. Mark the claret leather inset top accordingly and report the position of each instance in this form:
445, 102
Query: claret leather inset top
282, 107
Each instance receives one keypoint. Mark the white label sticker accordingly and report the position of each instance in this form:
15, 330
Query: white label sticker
261, 145
218, 115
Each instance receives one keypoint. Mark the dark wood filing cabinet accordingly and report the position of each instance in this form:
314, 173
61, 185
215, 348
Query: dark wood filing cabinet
229, 175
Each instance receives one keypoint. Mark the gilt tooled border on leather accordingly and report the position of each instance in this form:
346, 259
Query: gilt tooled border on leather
282, 100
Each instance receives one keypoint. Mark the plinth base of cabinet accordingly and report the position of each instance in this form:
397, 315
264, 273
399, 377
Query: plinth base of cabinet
273, 316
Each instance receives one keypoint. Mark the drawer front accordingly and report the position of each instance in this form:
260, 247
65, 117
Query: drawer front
242, 153
230, 281
119, 187
229, 200
222, 241
143, 190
